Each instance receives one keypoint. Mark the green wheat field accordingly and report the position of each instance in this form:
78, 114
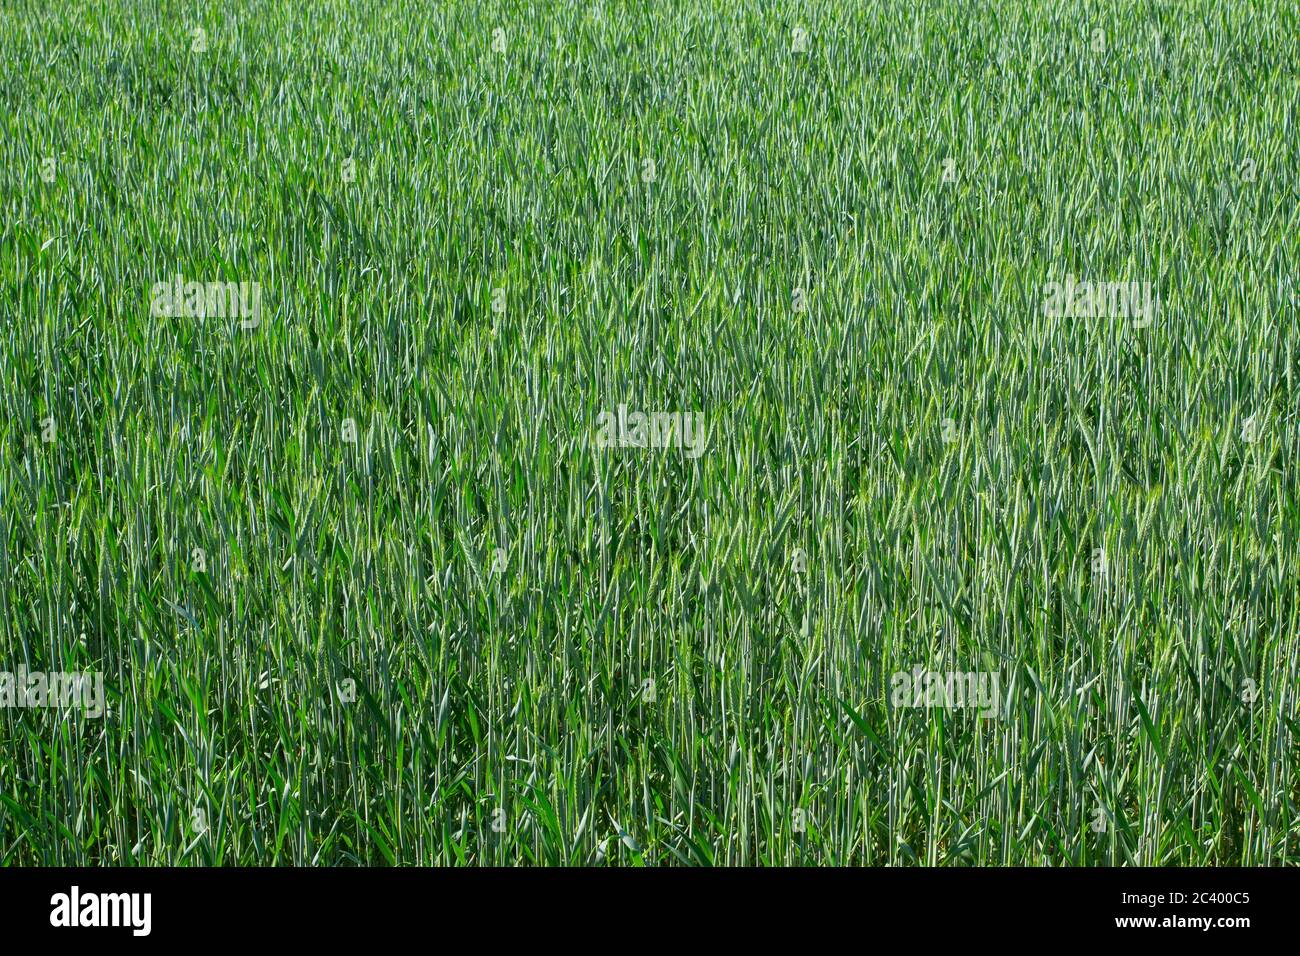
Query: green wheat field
369, 579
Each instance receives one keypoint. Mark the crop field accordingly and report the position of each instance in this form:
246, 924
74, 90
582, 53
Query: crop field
849, 432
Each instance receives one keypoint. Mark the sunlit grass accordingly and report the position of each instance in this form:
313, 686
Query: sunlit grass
682, 661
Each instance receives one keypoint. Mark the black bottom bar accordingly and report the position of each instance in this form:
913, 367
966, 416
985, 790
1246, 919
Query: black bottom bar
354, 906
